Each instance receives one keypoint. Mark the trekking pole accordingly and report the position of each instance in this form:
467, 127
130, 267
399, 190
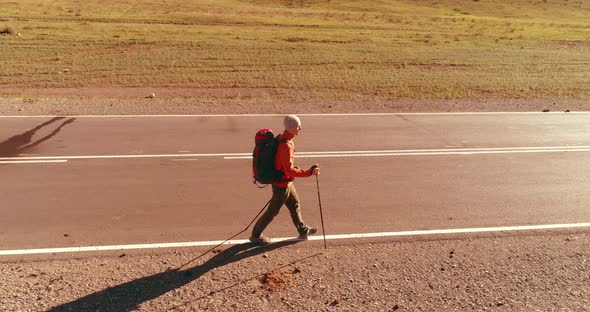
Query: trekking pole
244, 230
317, 181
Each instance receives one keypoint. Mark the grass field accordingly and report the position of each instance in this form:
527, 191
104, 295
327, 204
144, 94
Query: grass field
331, 49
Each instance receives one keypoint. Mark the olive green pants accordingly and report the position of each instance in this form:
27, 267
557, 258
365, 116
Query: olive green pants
281, 196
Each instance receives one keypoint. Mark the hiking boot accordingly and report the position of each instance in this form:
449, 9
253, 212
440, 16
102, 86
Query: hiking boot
310, 231
260, 240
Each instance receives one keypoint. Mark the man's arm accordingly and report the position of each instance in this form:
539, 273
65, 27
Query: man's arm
286, 154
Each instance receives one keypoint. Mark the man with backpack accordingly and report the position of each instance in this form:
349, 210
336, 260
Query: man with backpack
283, 190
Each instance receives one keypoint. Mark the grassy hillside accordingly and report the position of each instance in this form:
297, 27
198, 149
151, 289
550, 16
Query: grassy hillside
426, 49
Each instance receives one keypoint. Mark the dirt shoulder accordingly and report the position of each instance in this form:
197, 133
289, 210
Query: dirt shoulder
116, 101
506, 273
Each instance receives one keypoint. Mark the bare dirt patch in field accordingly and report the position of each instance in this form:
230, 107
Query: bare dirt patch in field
127, 48
7, 31
574, 43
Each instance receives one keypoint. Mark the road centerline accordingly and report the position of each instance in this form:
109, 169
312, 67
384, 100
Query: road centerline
366, 153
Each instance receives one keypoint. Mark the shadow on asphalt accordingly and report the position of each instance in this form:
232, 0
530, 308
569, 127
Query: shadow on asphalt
128, 296
21, 143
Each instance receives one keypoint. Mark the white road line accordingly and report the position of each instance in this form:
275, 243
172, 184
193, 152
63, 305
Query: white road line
317, 237
412, 152
421, 154
465, 151
31, 161
300, 114
462, 149
120, 156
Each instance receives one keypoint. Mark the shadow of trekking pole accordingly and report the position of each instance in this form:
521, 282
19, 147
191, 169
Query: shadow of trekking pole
213, 292
225, 241
130, 295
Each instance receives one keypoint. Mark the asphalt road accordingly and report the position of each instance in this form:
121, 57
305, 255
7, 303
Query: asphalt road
85, 181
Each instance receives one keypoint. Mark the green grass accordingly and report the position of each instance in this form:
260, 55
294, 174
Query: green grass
417, 49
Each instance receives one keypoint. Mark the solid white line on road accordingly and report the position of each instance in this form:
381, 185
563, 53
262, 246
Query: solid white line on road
301, 114
121, 156
31, 161
465, 151
425, 154
450, 151
317, 237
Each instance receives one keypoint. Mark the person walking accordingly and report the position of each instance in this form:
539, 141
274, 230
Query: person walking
283, 192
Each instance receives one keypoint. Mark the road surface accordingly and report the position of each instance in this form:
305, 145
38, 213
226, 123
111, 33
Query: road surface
116, 180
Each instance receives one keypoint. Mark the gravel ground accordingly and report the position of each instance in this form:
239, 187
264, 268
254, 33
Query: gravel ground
504, 273
244, 101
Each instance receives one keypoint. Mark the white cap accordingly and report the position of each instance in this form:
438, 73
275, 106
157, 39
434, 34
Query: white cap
291, 122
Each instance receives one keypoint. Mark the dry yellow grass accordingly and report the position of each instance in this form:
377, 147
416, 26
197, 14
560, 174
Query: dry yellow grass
428, 49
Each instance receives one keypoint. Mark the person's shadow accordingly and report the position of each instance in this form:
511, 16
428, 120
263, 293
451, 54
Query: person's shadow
128, 296
20, 143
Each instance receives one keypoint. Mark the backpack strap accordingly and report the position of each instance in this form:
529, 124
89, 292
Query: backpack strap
258, 185
283, 140
279, 141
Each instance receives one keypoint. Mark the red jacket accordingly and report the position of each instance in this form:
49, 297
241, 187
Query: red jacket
284, 161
